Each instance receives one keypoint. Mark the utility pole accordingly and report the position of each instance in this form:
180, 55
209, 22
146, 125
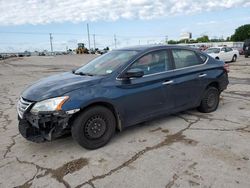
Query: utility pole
115, 40
166, 39
88, 35
51, 45
94, 41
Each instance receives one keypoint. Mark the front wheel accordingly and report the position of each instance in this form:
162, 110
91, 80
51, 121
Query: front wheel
94, 127
210, 100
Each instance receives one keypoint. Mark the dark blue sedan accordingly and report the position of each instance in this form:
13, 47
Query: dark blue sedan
121, 88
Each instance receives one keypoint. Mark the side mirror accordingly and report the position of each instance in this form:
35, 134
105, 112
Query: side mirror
133, 73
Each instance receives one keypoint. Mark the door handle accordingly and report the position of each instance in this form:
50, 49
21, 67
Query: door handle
168, 82
202, 75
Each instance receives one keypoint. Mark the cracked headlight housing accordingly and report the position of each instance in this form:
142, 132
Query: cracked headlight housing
49, 105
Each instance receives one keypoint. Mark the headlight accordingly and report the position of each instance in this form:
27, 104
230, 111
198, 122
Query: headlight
54, 104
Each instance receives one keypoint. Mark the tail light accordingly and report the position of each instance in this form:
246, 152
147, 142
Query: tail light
226, 68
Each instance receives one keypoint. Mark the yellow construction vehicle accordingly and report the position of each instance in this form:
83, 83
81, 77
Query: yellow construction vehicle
81, 49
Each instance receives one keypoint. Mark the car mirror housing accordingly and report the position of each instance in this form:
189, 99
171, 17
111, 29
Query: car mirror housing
133, 73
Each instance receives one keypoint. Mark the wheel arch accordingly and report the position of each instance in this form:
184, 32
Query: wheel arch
211, 84
107, 105
215, 84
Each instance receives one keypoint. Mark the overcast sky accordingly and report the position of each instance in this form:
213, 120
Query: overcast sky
25, 24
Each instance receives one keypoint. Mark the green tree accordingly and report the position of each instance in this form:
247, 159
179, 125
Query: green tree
172, 42
241, 33
203, 39
192, 41
228, 39
107, 48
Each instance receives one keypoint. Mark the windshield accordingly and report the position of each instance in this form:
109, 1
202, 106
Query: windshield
213, 50
107, 63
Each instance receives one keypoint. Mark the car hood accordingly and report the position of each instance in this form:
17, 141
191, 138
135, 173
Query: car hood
57, 85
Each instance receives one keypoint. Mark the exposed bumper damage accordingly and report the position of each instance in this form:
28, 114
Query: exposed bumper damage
44, 127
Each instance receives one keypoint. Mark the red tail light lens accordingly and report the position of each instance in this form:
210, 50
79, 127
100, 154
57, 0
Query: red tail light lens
226, 68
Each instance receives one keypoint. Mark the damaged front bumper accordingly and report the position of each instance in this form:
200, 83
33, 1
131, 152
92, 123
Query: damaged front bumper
45, 126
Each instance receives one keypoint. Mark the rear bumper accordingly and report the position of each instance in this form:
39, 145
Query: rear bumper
44, 127
223, 81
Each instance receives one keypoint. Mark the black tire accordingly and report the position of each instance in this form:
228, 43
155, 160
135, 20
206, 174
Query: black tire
234, 58
217, 58
246, 56
210, 100
94, 127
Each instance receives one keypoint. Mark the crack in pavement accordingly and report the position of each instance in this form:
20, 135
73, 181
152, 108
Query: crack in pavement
177, 137
10, 104
242, 129
6, 121
235, 97
202, 116
171, 183
11, 145
170, 139
246, 95
58, 173
92, 185
188, 171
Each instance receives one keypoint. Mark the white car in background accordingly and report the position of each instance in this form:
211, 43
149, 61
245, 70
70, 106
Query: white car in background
226, 54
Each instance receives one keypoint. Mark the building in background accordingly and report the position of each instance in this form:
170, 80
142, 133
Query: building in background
186, 36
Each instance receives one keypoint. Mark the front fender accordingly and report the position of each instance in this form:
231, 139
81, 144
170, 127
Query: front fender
84, 97
80, 98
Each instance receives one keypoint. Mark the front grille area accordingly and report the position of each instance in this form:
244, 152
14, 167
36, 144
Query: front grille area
22, 106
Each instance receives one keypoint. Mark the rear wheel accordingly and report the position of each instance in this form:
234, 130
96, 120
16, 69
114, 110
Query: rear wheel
234, 58
246, 56
94, 127
210, 100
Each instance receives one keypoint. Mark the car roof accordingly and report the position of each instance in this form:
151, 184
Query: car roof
153, 47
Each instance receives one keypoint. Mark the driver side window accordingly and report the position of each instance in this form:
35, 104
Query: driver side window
153, 62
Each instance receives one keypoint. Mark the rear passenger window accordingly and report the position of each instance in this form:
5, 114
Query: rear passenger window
185, 58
